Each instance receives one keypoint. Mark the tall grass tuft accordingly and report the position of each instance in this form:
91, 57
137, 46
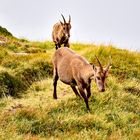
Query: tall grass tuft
26, 67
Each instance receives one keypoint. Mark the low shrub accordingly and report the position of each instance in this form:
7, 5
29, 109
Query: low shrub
3, 53
4, 31
10, 85
34, 72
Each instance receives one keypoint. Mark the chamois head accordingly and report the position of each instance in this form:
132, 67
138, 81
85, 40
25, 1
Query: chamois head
100, 75
66, 27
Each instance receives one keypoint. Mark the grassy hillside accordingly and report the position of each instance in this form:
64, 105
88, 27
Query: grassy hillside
4, 31
28, 111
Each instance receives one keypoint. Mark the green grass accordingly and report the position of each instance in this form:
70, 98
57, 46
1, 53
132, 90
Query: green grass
28, 111
4, 31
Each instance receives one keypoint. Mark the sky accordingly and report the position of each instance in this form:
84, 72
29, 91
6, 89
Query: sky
115, 22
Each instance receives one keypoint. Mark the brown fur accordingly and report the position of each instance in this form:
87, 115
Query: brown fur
74, 70
61, 33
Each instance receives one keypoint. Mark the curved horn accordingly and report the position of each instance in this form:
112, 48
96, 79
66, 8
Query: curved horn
99, 63
69, 18
108, 66
63, 18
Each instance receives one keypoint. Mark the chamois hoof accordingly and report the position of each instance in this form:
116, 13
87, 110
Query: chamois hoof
88, 110
55, 98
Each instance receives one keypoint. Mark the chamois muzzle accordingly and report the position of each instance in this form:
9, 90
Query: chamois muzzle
102, 90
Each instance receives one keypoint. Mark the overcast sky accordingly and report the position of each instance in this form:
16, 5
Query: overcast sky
93, 21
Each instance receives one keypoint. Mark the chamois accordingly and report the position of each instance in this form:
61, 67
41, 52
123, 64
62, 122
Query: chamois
61, 33
74, 70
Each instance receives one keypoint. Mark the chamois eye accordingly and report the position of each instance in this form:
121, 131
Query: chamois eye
98, 78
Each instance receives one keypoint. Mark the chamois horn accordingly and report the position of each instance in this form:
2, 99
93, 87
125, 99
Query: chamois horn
69, 18
63, 18
109, 64
99, 63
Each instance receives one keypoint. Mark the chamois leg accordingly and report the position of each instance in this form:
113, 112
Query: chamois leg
88, 91
66, 44
75, 91
55, 79
81, 90
56, 46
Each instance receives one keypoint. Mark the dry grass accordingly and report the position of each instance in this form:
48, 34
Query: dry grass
114, 115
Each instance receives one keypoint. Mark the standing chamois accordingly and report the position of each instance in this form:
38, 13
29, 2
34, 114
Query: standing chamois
74, 70
61, 33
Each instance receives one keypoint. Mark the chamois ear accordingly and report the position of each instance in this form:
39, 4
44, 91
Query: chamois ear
94, 67
106, 69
